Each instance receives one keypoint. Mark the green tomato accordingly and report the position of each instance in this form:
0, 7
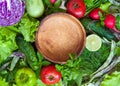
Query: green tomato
25, 77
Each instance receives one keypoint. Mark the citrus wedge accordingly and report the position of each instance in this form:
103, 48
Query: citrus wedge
93, 42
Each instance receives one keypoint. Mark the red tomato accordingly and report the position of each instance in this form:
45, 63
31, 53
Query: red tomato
49, 75
94, 14
76, 8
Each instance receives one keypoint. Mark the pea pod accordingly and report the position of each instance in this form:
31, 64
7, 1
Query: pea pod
35, 8
29, 52
25, 77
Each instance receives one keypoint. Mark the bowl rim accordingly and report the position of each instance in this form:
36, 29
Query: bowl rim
65, 14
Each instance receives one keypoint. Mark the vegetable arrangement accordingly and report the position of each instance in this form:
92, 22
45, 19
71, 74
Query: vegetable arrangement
21, 64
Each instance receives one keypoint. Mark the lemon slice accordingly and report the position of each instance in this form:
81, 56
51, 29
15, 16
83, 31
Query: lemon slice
93, 42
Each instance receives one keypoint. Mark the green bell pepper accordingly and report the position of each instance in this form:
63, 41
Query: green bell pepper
25, 77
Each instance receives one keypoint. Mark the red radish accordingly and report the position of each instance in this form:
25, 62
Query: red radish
52, 1
110, 21
94, 14
116, 30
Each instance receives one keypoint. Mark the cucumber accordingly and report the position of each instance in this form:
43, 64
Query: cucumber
29, 52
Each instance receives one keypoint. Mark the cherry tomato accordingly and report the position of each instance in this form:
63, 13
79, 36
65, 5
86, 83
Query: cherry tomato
94, 14
49, 75
76, 8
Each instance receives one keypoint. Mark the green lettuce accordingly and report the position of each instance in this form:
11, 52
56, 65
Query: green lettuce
7, 43
111, 80
27, 27
3, 82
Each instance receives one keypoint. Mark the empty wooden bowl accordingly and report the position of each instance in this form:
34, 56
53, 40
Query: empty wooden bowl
59, 35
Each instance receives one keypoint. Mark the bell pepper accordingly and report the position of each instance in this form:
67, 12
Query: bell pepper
25, 77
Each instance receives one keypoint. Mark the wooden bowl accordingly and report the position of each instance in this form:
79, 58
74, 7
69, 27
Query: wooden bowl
58, 35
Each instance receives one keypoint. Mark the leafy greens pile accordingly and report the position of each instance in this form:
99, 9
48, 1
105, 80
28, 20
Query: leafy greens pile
26, 27
17, 50
76, 71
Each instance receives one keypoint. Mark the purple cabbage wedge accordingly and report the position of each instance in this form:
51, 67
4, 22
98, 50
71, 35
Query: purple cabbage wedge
11, 11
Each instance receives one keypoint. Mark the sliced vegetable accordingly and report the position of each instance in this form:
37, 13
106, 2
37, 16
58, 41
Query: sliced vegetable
11, 11
25, 77
93, 42
35, 8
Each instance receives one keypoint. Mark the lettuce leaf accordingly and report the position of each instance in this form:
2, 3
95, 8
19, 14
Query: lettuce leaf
7, 43
27, 27
111, 80
3, 82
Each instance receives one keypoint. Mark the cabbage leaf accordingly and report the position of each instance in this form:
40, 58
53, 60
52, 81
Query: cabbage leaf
27, 27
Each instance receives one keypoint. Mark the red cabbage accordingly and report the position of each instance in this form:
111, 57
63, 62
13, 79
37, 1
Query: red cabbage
11, 11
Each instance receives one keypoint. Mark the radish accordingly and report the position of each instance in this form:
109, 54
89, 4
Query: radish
110, 22
52, 1
94, 14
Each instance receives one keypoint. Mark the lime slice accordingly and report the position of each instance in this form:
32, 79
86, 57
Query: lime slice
93, 42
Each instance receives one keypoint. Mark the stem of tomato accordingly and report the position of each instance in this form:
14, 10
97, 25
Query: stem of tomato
76, 5
51, 78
